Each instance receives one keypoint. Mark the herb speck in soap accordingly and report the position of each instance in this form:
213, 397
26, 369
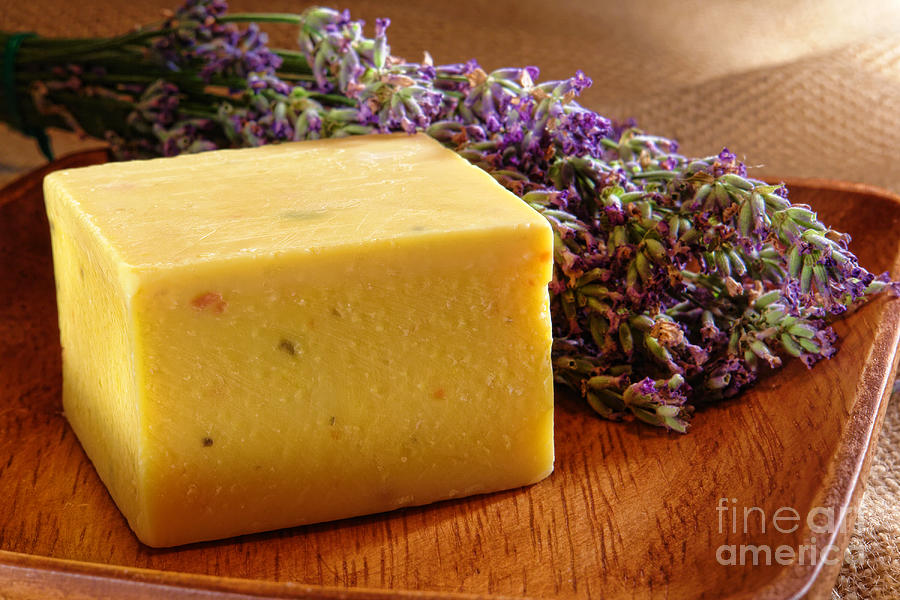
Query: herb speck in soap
210, 301
207, 442
331, 422
305, 215
287, 346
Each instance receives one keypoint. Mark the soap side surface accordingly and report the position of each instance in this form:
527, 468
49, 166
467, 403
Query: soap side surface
370, 331
96, 334
286, 391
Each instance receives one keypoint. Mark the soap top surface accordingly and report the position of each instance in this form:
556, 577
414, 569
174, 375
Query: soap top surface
304, 196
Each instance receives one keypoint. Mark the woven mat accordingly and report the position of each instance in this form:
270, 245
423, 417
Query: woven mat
807, 88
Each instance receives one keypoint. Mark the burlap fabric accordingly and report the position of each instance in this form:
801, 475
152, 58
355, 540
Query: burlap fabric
807, 88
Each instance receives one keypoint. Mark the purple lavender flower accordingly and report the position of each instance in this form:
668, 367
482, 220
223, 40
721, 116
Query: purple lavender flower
660, 403
727, 162
199, 41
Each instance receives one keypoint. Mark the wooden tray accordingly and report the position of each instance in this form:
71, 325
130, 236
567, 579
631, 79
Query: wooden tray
630, 512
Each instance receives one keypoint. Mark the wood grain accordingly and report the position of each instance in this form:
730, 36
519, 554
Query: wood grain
630, 512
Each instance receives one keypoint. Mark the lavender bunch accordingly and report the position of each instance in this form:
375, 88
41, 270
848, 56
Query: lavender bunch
676, 281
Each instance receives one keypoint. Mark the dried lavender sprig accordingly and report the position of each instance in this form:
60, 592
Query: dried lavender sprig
616, 255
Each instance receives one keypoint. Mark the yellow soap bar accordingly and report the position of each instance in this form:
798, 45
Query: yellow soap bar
262, 338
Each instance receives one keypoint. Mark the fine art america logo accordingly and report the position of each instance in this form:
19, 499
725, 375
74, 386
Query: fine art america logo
752, 520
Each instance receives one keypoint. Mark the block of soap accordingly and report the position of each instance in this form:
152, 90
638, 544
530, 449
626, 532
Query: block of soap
262, 338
